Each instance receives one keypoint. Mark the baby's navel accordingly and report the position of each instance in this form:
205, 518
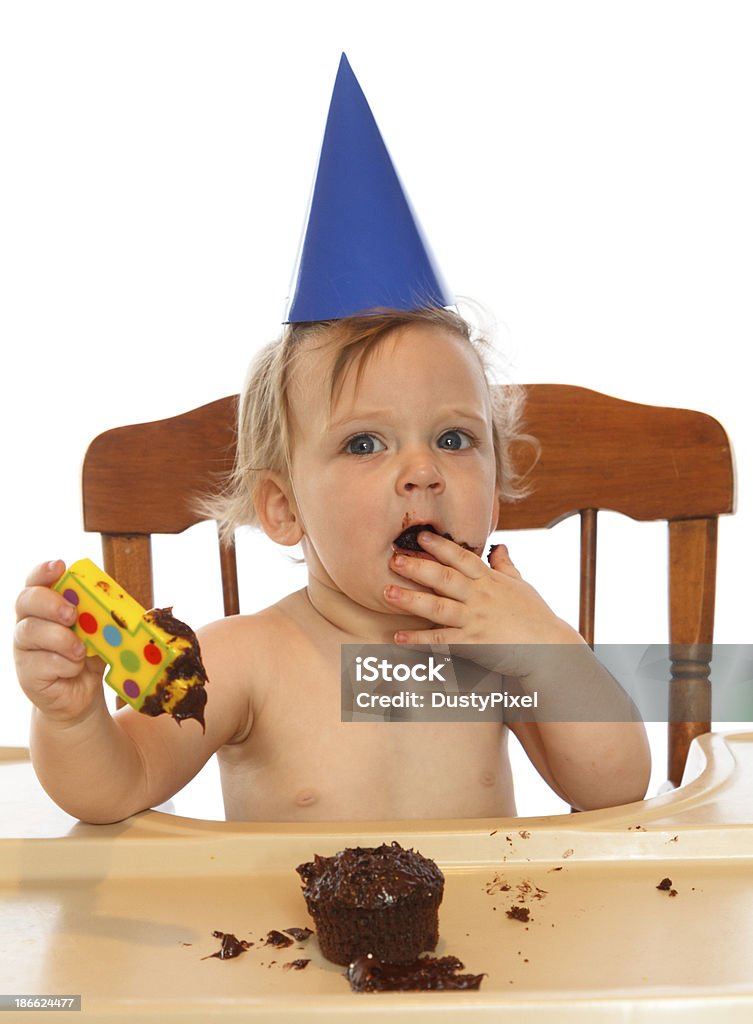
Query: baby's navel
487, 778
306, 797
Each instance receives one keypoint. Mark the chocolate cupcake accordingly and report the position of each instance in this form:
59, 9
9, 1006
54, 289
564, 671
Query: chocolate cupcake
381, 900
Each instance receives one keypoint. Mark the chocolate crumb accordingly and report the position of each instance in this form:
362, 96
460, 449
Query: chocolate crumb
526, 888
519, 913
497, 884
230, 947
275, 938
299, 934
666, 886
295, 965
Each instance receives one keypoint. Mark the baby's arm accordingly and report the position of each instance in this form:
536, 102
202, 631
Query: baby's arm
494, 613
96, 766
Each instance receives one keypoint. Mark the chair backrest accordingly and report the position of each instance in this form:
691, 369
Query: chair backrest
596, 453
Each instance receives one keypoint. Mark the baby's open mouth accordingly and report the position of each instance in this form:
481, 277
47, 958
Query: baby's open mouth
408, 539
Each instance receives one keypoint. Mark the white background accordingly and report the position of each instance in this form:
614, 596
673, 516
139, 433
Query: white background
582, 168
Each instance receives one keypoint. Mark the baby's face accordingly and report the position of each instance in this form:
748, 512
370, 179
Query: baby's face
409, 442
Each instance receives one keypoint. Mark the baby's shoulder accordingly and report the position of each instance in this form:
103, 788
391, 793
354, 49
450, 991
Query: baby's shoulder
241, 637
241, 655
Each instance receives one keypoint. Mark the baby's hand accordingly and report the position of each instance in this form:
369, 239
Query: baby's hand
474, 604
51, 662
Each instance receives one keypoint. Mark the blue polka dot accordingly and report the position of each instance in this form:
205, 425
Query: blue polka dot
112, 636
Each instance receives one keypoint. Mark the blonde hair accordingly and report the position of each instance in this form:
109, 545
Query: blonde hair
264, 441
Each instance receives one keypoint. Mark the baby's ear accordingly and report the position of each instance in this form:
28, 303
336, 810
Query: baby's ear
276, 510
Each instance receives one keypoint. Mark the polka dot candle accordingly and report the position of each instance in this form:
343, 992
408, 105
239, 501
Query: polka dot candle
111, 624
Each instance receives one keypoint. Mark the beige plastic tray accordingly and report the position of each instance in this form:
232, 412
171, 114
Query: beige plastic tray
124, 914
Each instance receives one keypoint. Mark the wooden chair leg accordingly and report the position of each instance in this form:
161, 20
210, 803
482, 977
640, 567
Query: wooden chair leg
128, 559
229, 569
692, 569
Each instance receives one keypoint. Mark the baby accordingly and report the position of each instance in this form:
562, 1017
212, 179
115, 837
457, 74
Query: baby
350, 431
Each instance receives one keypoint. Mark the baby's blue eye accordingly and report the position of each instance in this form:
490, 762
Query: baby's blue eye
364, 444
454, 441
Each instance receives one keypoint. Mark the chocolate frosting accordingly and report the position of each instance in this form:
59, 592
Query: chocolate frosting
367, 974
369, 877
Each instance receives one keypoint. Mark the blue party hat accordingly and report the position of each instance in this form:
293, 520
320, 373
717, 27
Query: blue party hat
362, 246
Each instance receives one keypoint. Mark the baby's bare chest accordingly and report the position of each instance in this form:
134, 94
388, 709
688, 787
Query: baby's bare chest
301, 761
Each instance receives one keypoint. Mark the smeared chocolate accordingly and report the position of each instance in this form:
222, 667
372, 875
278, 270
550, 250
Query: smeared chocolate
191, 704
188, 665
153, 704
230, 948
408, 539
367, 974
163, 618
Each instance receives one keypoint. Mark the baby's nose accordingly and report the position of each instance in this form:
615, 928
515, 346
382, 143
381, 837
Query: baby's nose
420, 472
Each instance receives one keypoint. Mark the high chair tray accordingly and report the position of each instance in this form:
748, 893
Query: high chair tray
124, 914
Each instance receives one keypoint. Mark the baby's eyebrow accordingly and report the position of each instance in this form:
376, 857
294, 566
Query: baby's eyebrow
362, 416
448, 416
457, 416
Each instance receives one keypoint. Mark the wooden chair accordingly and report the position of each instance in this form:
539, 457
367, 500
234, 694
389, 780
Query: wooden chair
597, 452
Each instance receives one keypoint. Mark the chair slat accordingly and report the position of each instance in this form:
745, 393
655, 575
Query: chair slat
587, 614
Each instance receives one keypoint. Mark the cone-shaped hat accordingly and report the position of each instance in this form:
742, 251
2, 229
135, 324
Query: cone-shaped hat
362, 246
